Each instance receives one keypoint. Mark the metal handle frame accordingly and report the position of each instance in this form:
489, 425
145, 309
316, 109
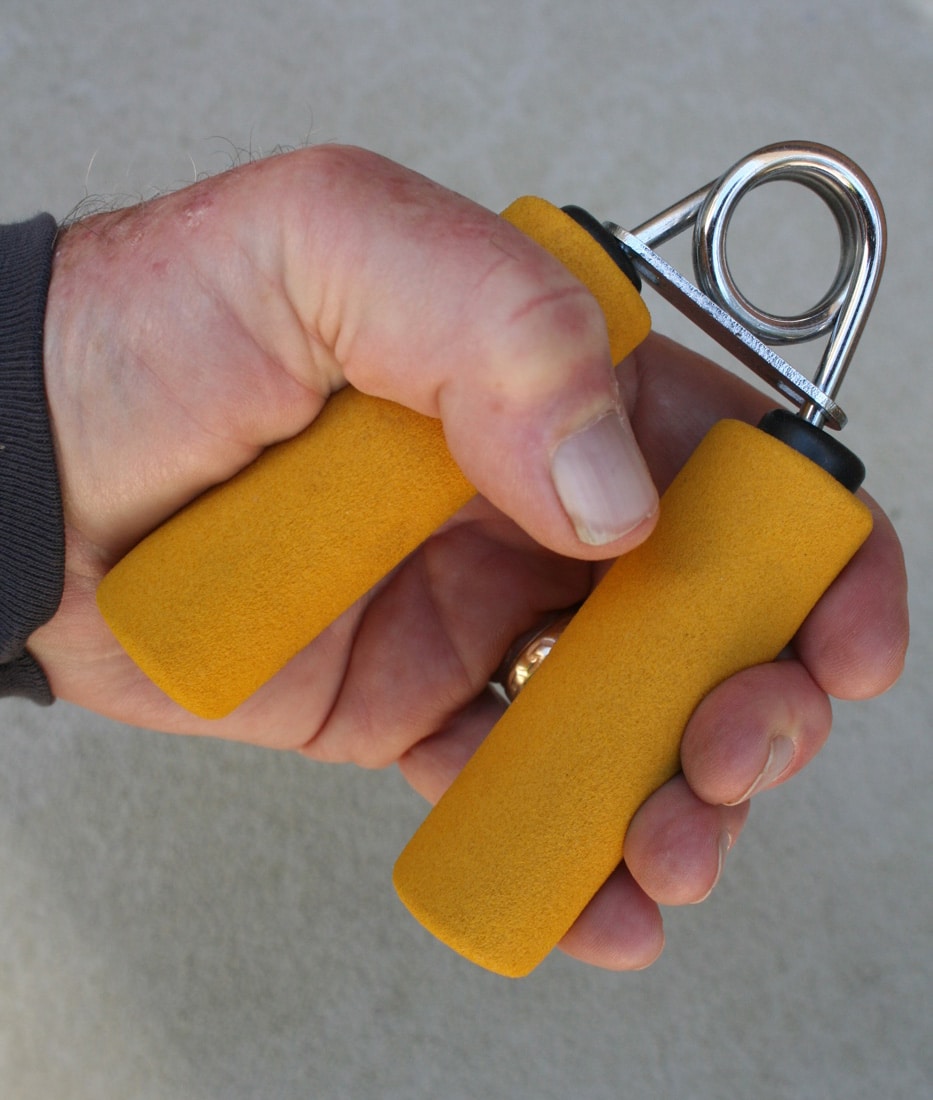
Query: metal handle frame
720, 309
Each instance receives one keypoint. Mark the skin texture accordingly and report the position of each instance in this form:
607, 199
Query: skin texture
185, 335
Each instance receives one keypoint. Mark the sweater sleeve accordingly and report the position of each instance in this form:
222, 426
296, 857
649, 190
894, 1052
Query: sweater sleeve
32, 541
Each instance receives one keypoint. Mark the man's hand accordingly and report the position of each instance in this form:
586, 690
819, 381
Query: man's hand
185, 335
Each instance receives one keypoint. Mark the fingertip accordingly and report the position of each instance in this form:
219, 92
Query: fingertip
620, 929
855, 640
676, 844
754, 730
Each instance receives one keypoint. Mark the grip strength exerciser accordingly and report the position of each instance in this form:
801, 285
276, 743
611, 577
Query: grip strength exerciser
751, 533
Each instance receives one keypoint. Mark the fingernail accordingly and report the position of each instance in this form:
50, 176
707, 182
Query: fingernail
780, 756
725, 846
602, 480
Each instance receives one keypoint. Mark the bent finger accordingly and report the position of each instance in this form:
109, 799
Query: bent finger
755, 730
620, 929
854, 642
676, 844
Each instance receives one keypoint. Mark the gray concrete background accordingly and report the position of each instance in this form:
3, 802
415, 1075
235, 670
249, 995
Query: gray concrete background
196, 921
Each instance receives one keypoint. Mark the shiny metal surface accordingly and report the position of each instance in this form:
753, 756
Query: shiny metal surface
717, 322
527, 655
718, 306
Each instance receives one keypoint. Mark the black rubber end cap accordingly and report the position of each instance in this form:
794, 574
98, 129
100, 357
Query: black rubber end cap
603, 237
819, 446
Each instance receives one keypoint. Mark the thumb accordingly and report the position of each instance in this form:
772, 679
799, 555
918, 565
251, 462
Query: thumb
450, 310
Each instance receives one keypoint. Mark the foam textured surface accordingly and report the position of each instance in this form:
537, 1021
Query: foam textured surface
217, 600
750, 535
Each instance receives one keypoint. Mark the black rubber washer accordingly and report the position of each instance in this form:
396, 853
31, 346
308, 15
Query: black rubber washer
603, 237
819, 446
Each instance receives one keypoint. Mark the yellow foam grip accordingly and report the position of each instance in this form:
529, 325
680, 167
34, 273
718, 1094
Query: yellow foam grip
218, 599
750, 535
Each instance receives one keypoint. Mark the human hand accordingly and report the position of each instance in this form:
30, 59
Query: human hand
186, 335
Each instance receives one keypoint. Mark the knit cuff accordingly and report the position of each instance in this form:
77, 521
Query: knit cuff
32, 539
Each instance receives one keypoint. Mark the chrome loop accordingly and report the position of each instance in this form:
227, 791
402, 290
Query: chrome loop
857, 210
714, 275
723, 311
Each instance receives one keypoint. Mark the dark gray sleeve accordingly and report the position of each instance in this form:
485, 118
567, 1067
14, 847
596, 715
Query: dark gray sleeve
32, 540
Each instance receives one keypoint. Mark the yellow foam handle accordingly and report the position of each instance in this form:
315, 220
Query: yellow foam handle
750, 535
213, 603
217, 600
